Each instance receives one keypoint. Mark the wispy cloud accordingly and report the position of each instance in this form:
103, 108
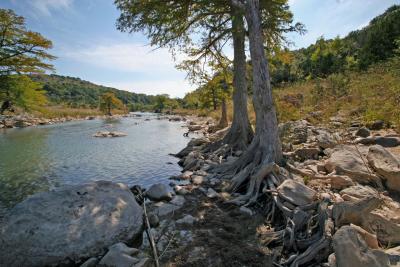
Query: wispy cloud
45, 7
175, 88
127, 57
154, 70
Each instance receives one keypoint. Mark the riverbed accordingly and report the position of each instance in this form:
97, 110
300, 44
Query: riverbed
37, 159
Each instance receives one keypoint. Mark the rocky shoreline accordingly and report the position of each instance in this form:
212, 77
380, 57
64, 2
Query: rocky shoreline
27, 120
350, 175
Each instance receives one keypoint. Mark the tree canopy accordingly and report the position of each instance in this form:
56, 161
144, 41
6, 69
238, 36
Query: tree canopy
21, 50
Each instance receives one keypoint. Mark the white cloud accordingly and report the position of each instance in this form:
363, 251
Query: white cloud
175, 88
152, 71
126, 57
46, 6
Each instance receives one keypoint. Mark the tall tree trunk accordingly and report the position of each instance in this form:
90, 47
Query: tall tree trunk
257, 163
240, 133
266, 119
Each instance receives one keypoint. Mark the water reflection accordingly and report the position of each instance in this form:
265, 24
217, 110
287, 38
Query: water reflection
36, 159
22, 150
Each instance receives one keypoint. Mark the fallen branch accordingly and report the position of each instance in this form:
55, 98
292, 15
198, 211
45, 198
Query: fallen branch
150, 236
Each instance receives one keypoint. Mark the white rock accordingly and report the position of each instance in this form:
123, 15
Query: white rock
197, 179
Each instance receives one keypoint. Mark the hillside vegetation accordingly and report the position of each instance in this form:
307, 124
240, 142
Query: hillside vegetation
77, 93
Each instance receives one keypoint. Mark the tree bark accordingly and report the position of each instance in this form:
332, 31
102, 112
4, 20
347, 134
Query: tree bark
224, 115
240, 133
254, 165
266, 120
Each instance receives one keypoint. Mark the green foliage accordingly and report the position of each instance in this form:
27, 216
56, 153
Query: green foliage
21, 50
357, 51
108, 101
210, 94
77, 93
21, 91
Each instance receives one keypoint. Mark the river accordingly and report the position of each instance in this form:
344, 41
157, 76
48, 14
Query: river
40, 158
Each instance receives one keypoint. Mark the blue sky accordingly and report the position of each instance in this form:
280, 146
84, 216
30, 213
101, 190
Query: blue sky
88, 45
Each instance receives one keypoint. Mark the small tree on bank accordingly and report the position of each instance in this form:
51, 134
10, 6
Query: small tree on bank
108, 102
21, 91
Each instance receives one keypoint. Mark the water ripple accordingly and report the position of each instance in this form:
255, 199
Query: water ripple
38, 159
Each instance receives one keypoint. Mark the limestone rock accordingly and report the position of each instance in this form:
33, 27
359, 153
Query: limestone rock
385, 221
359, 191
296, 193
180, 190
352, 251
211, 193
109, 134
307, 153
69, 224
158, 192
346, 160
385, 141
119, 255
326, 140
363, 132
145, 262
163, 209
377, 125
197, 179
188, 220
92, 262
394, 256
386, 164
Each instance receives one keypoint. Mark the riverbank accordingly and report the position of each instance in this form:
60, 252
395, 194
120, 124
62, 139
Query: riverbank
338, 194
351, 171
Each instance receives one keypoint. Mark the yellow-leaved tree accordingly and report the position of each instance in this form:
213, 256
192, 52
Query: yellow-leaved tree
21, 52
109, 101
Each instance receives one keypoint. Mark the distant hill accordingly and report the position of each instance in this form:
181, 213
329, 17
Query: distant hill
75, 92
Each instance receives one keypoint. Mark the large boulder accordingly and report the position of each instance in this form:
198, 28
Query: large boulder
352, 251
385, 164
296, 193
349, 160
68, 224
